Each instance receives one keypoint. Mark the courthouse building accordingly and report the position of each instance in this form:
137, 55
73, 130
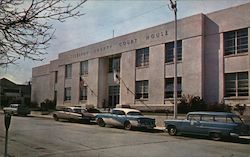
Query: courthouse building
137, 68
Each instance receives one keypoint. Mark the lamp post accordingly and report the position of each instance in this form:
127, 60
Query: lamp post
174, 8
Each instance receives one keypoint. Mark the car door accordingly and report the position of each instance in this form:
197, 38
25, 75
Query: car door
194, 124
117, 118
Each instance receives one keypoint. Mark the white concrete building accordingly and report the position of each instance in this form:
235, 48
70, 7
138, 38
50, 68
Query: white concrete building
213, 63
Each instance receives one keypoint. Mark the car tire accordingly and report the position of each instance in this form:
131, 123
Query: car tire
127, 125
215, 136
101, 122
55, 117
172, 130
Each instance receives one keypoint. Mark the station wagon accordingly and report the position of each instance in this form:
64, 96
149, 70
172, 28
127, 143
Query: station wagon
213, 124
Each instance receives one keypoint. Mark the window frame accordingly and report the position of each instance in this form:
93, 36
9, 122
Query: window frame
233, 85
66, 96
83, 93
84, 68
68, 71
236, 42
142, 57
114, 64
169, 94
169, 51
142, 89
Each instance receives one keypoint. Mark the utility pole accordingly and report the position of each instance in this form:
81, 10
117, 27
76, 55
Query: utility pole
174, 8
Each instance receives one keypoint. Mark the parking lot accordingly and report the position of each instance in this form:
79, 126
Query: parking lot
32, 136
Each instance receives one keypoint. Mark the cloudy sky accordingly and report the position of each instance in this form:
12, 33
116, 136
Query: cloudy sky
102, 17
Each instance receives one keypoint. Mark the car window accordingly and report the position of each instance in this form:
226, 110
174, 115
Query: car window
222, 119
77, 110
236, 119
93, 110
118, 112
134, 113
194, 117
207, 118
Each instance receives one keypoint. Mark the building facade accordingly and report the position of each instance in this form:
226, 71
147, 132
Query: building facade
137, 68
11, 93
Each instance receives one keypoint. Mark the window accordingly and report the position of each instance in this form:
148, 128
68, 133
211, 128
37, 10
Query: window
118, 112
142, 57
169, 51
56, 76
68, 71
84, 68
83, 93
169, 87
236, 41
194, 117
67, 93
236, 84
114, 64
141, 89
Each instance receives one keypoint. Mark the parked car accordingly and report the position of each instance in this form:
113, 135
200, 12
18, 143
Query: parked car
126, 118
213, 124
17, 109
73, 114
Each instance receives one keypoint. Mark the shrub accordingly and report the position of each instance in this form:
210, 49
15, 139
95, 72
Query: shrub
191, 103
219, 107
48, 105
240, 108
33, 105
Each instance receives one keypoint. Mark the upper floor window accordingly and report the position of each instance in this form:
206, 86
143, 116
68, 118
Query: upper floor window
83, 93
84, 68
142, 57
68, 70
169, 87
236, 84
169, 51
114, 64
56, 76
236, 41
141, 89
67, 93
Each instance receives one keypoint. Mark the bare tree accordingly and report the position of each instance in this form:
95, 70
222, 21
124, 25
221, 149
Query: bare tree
25, 27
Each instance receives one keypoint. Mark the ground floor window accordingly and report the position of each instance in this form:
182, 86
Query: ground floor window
67, 93
236, 84
141, 89
83, 93
169, 87
114, 95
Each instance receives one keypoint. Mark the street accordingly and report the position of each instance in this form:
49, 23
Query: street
38, 137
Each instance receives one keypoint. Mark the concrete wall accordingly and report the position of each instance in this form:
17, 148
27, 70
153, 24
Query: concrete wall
127, 86
41, 87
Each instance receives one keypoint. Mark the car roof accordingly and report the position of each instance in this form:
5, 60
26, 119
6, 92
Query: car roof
213, 113
126, 110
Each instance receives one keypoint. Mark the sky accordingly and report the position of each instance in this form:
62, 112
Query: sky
103, 18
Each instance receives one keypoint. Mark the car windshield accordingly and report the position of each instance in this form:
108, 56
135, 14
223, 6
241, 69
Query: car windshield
134, 113
237, 119
78, 110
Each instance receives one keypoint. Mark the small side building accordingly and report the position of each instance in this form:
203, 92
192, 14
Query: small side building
14, 93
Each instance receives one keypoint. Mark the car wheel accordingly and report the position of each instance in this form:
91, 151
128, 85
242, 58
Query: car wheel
215, 136
172, 130
127, 125
55, 117
101, 122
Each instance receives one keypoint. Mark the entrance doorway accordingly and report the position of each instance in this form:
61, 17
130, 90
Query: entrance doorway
114, 96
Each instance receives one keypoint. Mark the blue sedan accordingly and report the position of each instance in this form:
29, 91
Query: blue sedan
126, 118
